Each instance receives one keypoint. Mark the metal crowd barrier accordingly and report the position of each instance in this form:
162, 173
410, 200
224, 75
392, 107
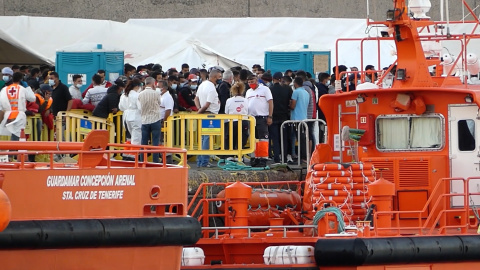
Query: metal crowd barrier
299, 124
73, 126
186, 131
35, 130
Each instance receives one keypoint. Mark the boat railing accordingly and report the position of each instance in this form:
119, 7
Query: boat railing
85, 157
438, 210
199, 205
249, 229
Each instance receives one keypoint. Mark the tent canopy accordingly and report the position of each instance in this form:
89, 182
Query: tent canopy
23, 40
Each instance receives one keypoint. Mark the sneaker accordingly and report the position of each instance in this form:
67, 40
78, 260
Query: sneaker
208, 165
289, 159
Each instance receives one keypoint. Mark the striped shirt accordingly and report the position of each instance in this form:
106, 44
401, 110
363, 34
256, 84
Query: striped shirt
149, 103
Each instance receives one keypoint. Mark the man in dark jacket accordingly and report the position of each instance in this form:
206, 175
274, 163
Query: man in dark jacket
224, 90
281, 98
186, 95
322, 86
109, 103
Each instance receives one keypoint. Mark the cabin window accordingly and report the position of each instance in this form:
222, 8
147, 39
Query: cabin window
466, 135
409, 132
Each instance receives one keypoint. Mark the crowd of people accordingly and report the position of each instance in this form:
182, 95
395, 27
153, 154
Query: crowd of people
147, 95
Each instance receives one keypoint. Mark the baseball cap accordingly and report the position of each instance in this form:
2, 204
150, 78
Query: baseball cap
194, 71
192, 78
278, 75
45, 87
7, 70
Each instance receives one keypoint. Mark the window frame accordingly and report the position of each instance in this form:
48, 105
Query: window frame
409, 117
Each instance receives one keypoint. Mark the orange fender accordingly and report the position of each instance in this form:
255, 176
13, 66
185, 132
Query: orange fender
5, 210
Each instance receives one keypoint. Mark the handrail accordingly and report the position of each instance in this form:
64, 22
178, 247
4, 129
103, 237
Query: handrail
438, 212
196, 202
250, 228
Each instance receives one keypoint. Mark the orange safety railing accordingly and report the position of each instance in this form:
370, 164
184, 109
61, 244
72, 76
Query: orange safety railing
436, 222
20, 150
199, 205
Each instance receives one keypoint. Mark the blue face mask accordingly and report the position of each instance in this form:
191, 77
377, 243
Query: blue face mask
182, 85
174, 86
328, 83
193, 87
219, 81
6, 78
51, 82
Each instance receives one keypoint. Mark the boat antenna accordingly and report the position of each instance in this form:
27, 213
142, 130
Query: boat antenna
442, 3
448, 20
368, 11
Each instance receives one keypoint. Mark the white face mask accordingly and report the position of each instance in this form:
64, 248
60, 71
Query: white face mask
78, 85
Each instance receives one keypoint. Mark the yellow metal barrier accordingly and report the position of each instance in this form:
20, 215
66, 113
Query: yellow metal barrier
120, 133
34, 131
73, 127
186, 130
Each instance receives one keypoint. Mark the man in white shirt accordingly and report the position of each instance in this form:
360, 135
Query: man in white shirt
149, 101
260, 105
207, 102
166, 103
75, 87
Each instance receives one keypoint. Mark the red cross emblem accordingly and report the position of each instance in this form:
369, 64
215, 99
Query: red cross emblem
13, 91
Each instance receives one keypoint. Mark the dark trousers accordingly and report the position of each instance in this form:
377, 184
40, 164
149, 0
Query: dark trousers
226, 127
275, 140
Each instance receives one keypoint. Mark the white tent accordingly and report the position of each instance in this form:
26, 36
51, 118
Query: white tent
34, 40
245, 40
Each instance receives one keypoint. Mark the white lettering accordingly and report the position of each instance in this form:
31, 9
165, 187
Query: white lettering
67, 195
63, 181
97, 180
110, 194
125, 180
81, 195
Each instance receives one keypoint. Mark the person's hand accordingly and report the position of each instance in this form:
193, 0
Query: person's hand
114, 110
189, 110
175, 110
269, 121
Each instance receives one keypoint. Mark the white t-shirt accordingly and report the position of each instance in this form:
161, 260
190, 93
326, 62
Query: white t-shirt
75, 92
236, 105
208, 93
166, 103
258, 100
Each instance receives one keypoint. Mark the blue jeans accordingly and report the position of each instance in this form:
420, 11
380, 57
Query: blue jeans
153, 130
203, 160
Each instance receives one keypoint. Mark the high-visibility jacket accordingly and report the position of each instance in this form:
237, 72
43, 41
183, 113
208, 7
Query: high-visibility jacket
13, 92
41, 101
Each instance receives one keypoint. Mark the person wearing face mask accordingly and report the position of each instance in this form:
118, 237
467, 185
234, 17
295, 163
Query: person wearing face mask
260, 105
34, 79
186, 95
207, 102
132, 117
174, 89
104, 83
6, 76
75, 87
62, 100
13, 100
